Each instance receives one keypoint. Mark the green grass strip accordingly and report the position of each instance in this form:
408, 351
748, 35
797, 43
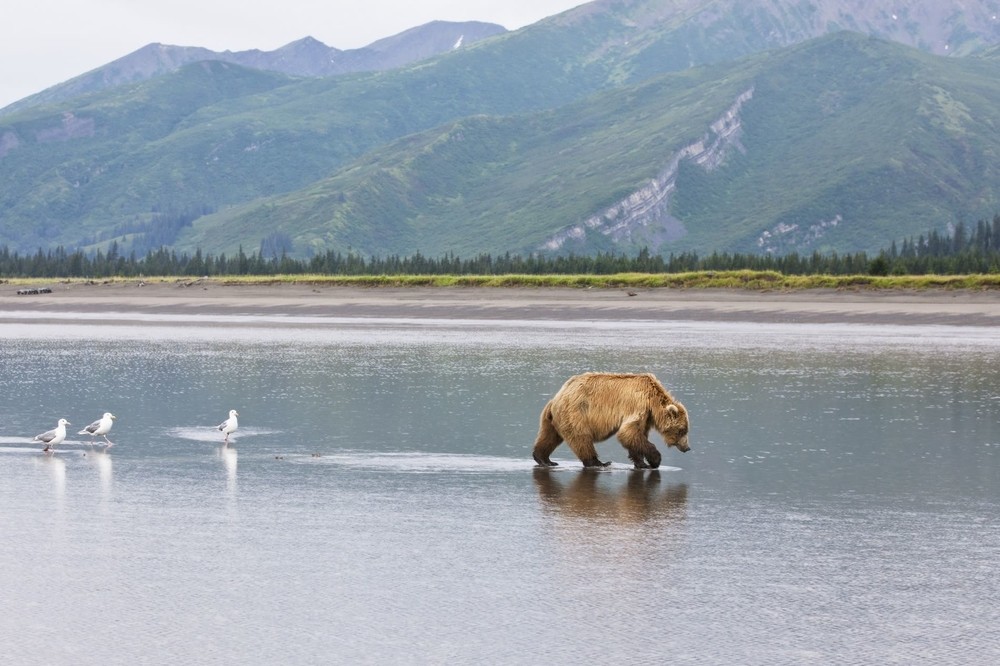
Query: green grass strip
748, 280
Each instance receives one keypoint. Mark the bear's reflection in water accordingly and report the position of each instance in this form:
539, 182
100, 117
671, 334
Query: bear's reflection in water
600, 496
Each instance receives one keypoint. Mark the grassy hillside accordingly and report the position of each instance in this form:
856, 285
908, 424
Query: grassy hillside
884, 140
848, 143
212, 135
71, 173
486, 183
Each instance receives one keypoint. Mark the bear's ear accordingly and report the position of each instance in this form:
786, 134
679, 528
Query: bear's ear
672, 409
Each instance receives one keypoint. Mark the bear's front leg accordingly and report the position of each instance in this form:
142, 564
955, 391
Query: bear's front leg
653, 457
637, 459
641, 451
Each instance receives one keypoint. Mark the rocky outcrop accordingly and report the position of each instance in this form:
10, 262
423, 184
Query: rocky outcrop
784, 237
646, 212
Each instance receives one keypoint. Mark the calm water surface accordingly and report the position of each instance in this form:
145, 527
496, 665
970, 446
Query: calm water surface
839, 505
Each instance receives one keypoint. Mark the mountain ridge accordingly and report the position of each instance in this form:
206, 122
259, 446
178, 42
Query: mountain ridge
754, 198
508, 142
307, 57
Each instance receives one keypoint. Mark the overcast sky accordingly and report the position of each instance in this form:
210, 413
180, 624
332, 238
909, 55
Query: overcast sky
45, 42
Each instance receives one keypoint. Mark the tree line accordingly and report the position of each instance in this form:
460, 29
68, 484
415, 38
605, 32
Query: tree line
966, 249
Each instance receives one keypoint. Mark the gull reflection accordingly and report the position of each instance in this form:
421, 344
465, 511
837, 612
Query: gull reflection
229, 459
105, 473
601, 496
56, 469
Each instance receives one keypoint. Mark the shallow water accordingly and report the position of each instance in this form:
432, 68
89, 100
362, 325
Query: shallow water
380, 503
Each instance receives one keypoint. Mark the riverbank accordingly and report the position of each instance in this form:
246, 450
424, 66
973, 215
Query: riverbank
218, 297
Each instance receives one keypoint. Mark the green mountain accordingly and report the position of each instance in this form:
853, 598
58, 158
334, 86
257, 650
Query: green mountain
842, 143
303, 57
586, 131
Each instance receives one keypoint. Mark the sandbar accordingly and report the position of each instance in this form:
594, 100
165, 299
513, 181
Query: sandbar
207, 296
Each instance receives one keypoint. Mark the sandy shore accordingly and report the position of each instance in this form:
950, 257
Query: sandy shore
962, 308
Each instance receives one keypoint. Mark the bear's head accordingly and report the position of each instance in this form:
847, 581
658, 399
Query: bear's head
673, 426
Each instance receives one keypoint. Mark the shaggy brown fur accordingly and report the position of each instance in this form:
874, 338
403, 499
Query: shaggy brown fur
595, 405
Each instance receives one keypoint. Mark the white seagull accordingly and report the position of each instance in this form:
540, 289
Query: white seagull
101, 426
54, 436
230, 425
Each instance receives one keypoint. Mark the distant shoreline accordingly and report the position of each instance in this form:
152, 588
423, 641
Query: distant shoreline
194, 297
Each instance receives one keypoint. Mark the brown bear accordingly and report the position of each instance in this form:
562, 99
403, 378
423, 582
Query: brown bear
595, 405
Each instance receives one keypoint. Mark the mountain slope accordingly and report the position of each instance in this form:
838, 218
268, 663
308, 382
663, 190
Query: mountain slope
641, 37
648, 37
251, 145
63, 173
850, 146
304, 57
139, 163
843, 143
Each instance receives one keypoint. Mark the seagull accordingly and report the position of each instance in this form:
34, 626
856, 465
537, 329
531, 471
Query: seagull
230, 425
100, 427
53, 437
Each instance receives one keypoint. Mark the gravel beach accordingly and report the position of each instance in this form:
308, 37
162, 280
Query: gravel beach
202, 297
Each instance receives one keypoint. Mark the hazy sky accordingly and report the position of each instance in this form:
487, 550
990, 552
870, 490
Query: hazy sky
45, 42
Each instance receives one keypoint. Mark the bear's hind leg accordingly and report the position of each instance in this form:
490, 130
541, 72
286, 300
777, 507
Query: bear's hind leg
547, 441
585, 451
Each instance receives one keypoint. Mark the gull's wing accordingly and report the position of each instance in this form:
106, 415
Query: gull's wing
89, 430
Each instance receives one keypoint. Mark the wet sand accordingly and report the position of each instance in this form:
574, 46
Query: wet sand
207, 297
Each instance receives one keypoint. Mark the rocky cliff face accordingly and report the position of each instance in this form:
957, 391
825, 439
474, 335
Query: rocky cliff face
644, 215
